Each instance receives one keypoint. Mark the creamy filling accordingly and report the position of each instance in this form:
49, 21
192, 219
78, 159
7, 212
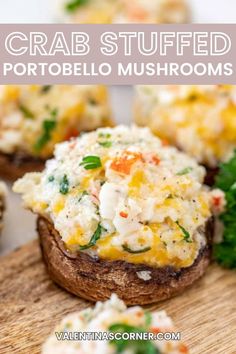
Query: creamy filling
198, 119
101, 319
124, 11
34, 118
125, 195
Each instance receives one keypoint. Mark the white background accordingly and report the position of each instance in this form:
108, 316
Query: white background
20, 224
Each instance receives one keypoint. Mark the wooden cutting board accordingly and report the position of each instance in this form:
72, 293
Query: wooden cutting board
31, 304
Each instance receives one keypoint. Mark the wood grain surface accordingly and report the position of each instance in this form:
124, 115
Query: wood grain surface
31, 305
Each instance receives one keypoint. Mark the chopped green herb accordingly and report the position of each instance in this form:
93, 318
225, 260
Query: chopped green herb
27, 113
73, 5
184, 171
227, 174
54, 113
91, 162
186, 234
104, 135
46, 88
129, 250
48, 126
148, 317
96, 236
82, 195
105, 144
64, 185
136, 346
103, 141
225, 252
51, 178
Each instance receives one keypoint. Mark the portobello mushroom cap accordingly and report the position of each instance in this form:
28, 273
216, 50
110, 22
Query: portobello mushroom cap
96, 279
17, 164
14, 166
211, 174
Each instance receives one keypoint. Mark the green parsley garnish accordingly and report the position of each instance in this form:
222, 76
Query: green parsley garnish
104, 139
105, 144
51, 178
82, 195
96, 236
136, 346
64, 185
48, 126
184, 171
225, 252
129, 250
91, 162
186, 234
27, 113
104, 135
148, 319
227, 174
73, 5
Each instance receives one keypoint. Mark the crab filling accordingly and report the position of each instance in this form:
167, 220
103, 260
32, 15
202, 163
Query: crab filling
122, 194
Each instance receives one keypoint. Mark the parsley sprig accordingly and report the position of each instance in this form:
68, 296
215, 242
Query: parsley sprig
225, 252
64, 185
82, 195
148, 319
185, 171
91, 162
186, 234
27, 112
73, 5
126, 248
104, 140
138, 346
48, 126
104, 135
96, 236
105, 144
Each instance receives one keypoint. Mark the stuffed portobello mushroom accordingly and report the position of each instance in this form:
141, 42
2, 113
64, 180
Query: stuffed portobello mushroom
121, 212
34, 118
200, 119
124, 11
111, 317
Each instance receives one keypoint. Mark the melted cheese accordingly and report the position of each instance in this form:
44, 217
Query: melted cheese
133, 197
198, 119
101, 318
24, 110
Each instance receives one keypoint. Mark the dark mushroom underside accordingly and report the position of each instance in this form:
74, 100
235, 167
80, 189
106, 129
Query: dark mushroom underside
96, 279
13, 166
